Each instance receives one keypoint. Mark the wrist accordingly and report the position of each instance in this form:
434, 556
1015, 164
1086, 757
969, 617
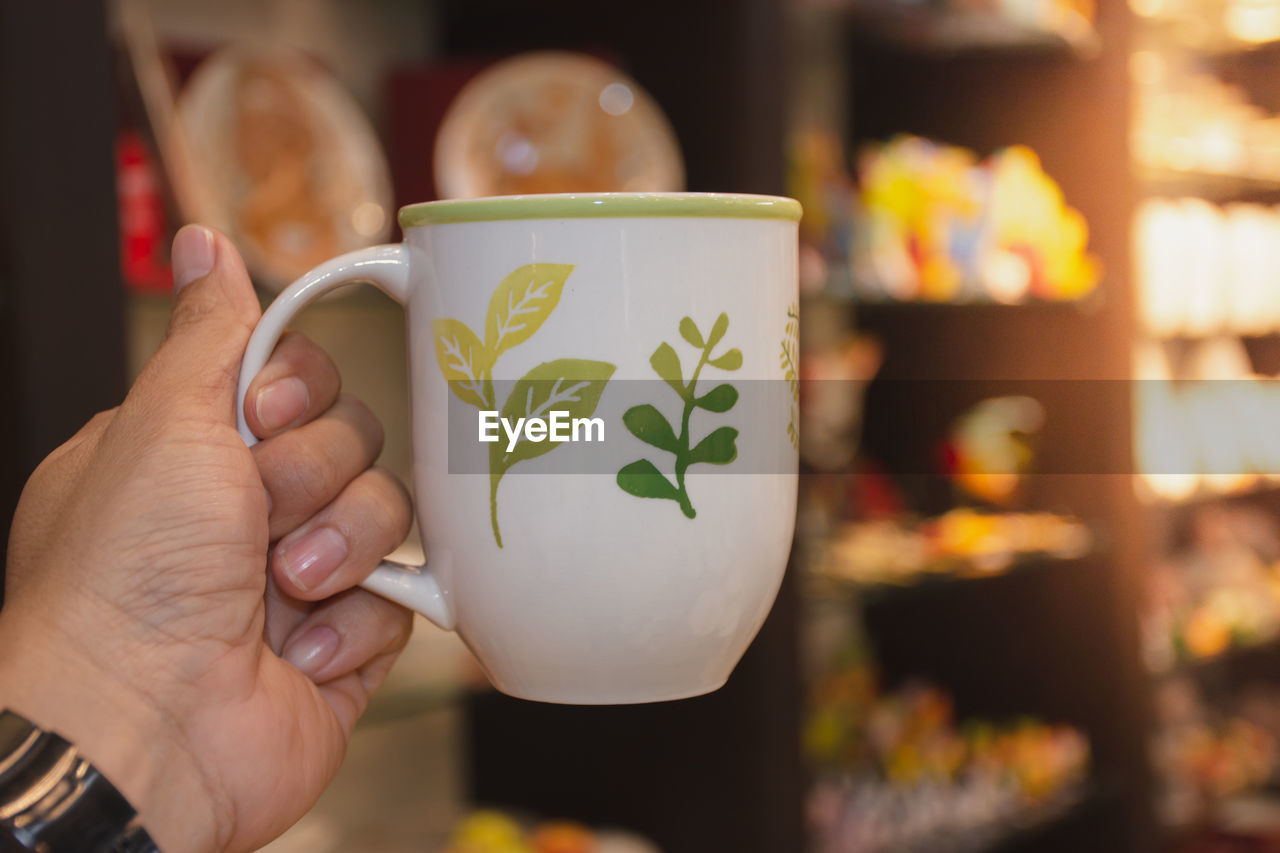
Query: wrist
117, 729
53, 798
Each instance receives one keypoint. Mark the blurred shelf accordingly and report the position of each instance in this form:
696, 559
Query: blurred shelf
1262, 490
1255, 661
1210, 186
1237, 818
1168, 33
985, 306
943, 33
1024, 829
1259, 338
1076, 805
929, 582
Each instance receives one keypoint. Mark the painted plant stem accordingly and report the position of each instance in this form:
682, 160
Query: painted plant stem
493, 509
682, 458
642, 478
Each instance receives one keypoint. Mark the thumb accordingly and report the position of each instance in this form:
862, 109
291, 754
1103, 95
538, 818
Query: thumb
214, 312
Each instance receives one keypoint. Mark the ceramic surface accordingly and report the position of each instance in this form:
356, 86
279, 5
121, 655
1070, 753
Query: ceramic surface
571, 583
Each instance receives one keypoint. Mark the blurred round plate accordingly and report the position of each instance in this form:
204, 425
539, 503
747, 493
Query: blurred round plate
288, 165
552, 122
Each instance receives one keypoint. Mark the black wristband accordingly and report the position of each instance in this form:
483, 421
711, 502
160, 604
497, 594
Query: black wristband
54, 801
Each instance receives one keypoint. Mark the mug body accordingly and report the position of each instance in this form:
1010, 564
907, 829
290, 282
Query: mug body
637, 563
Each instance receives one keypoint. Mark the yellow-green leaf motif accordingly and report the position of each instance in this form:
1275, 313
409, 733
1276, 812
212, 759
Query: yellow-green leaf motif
522, 303
464, 361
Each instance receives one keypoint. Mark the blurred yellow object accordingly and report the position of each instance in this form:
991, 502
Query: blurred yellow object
488, 832
988, 446
1028, 217
912, 192
1207, 634
940, 226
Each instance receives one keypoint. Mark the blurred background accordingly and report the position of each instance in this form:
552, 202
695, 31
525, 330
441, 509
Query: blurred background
1034, 599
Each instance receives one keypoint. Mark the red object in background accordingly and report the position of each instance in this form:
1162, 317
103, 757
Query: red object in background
873, 495
418, 98
144, 260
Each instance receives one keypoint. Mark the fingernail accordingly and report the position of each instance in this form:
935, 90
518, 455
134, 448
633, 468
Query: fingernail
192, 255
312, 650
268, 495
310, 560
282, 402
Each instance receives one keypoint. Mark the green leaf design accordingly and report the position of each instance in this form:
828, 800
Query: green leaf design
689, 331
789, 361
650, 426
571, 385
647, 423
731, 360
719, 399
522, 303
518, 308
718, 448
666, 364
642, 479
464, 361
718, 330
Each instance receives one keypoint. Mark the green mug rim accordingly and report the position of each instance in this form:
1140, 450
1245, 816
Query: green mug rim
601, 205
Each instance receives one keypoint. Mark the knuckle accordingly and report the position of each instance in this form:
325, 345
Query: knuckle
366, 423
385, 502
305, 481
309, 360
401, 628
389, 487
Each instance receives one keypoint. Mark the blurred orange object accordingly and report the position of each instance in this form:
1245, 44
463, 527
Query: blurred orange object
563, 837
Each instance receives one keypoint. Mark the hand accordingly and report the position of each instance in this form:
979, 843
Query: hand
140, 619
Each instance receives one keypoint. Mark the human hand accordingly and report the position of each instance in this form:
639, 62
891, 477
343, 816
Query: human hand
184, 609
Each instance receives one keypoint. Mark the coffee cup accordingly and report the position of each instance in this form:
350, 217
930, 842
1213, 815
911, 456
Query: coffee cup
603, 430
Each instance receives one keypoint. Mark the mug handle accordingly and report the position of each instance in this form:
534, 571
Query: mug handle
387, 267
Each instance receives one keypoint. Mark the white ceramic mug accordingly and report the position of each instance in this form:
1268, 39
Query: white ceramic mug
641, 584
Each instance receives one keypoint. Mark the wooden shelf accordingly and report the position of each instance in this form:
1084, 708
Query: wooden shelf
1258, 661
927, 583
971, 305
939, 32
1210, 186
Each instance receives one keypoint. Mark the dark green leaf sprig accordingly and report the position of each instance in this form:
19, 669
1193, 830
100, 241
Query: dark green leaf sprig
642, 478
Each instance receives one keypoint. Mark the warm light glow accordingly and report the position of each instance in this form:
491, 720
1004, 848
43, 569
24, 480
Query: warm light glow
1146, 67
1254, 21
368, 218
1165, 455
1147, 8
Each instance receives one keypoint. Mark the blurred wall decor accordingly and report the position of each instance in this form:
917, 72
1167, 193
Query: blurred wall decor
554, 121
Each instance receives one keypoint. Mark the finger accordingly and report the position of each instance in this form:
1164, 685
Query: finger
304, 469
297, 385
214, 312
346, 633
340, 545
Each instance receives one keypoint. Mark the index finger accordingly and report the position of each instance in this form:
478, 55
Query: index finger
297, 385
